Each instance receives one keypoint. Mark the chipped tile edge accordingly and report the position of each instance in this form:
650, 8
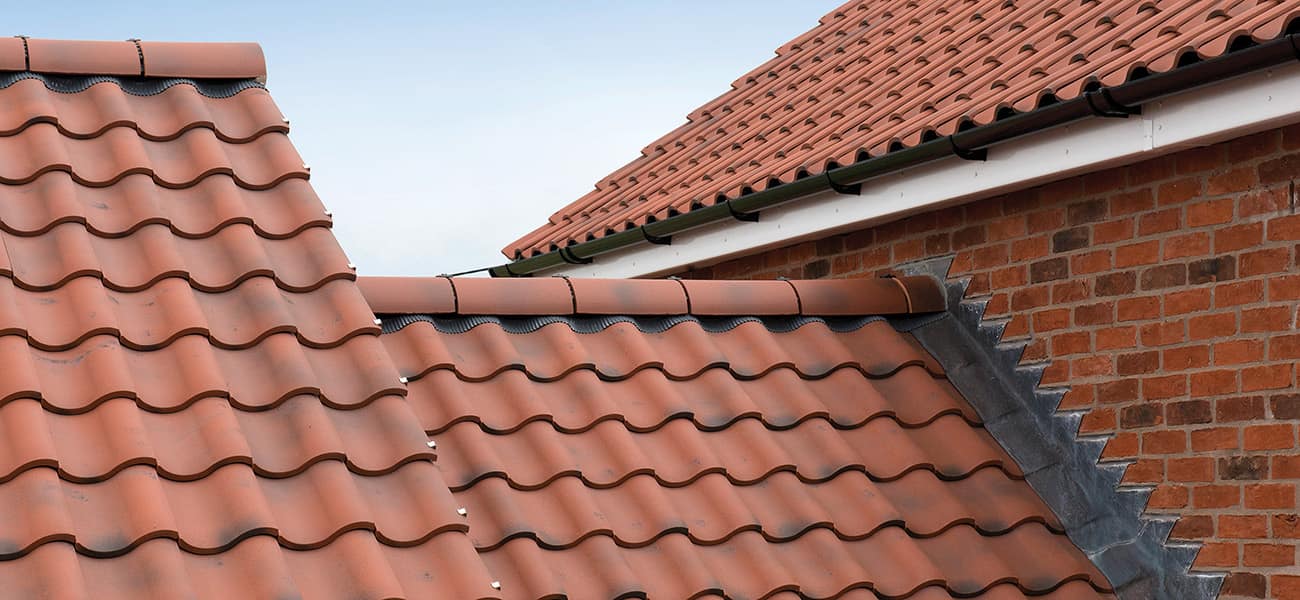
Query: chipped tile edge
1105, 521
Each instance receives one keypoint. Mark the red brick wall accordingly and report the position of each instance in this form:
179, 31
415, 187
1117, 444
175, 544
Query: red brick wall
1165, 295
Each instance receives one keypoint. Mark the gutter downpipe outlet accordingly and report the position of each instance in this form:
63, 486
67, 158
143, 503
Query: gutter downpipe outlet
1116, 101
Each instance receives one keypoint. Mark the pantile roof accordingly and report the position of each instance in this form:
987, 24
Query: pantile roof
194, 399
876, 77
798, 446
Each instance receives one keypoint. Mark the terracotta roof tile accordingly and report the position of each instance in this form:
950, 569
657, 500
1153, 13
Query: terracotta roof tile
675, 456
195, 401
873, 77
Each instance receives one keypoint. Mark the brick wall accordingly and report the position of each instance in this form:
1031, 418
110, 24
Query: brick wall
1165, 295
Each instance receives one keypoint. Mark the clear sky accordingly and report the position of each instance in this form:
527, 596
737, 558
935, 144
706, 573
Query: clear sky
437, 131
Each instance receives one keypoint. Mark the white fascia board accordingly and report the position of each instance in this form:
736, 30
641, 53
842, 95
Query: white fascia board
1213, 113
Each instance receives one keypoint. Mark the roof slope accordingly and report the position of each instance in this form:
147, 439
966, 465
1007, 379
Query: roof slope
874, 77
724, 439
194, 400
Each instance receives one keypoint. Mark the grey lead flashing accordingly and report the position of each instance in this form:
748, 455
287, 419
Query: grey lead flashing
597, 323
1103, 520
135, 86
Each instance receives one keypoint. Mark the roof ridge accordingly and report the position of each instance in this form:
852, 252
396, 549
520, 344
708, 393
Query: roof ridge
134, 58
557, 296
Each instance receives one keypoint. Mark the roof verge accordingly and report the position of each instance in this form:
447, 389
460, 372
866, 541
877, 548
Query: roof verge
134, 58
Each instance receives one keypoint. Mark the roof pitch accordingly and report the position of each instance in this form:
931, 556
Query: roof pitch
194, 400
874, 77
688, 451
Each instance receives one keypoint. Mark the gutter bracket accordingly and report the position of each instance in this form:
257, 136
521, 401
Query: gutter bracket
568, 256
980, 154
740, 216
1107, 106
847, 190
655, 239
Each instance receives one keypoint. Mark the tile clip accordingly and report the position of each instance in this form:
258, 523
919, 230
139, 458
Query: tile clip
751, 217
848, 190
567, 254
980, 154
656, 239
1103, 105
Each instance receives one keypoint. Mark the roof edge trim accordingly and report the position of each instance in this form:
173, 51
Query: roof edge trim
134, 58
556, 296
1129, 95
1103, 518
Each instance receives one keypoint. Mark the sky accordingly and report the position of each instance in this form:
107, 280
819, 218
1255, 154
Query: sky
438, 132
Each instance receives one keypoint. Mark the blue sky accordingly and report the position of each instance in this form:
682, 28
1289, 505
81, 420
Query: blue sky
439, 131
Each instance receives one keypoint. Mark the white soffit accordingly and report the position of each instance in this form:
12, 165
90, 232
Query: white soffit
1213, 113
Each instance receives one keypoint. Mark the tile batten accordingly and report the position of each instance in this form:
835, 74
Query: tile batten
1105, 521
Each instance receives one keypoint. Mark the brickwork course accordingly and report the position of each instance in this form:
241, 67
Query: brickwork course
1164, 295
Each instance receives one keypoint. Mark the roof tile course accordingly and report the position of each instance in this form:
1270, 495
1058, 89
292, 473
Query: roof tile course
194, 400
738, 458
871, 77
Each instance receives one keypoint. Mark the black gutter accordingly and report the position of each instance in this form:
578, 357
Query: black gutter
1116, 101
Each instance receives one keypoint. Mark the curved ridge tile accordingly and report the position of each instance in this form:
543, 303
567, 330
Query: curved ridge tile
355, 565
746, 452
373, 440
713, 400
213, 514
135, 201
889, 563
67, 316
178, 163
749, 351
710, 510
160, 117
152, 253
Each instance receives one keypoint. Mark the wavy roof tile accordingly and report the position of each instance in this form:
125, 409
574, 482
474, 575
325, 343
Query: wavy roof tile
194, 399
680, 449
875, 77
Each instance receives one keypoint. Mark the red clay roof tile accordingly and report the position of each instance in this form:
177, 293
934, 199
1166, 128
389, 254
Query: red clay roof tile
873, 76
215, 60
71, 57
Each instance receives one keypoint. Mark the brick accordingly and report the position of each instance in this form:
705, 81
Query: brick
1212, 212
1141, 415
1090, 262
1101, 313
1029, 248
1282, 347
1048, 320
1134, 201
1203, 158
1122, 445
1217, 554
1269, 437
1190, 412
1235, 352
1073, 342
1145, 470
1269, 495
1284, 288
1141, 253
908, 250
1238, 237
1286, 467
1097, 421
1238, 293
1252, 146
1115, 338
1046, 220
1235, 180
1166, 386
1260, 320
1216, 496
1115, 284
830, 246
1267, 555
1163, 276
817, 269
1211, 326
1193, 527
1167, 497
1187, 470
1285, 587
1286, 525
1073, 238
987, 257
1177, 192
1239, 408
1284, 228
1123, 390
1090, 211
1049, 270
1185, 245
1213, 383
1069, 291
1112, 230
1056, 373
1243, 467
1030, 298
1164, 442
968, 237
1186, 301
979, 285
1017, 327
1162, 334
1249, 585
1162, 221
1186, 357
1285, 406
1243, 526
1137, 363
1152, 169
1207, 270
1267, 377
1214, 438
1138, 309
1280, 169
1263, 262
1263, 202
1092, 366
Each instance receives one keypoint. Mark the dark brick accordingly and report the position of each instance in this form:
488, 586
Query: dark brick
1137, 363
1049, 270
1116, 284
1243, 467
1070, 239
1086, 212
1142, 415
1240, 408
970, 236
1189, 412
1164, 276
1252, 585
1219, 268
817, 269
830, 246
1285, 406
1285, 168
